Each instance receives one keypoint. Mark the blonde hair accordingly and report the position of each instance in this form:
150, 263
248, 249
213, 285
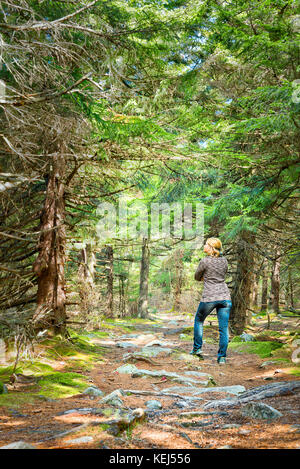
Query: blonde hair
216, 245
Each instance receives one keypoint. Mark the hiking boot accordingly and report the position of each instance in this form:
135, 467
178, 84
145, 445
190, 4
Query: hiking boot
198, 353
222, 361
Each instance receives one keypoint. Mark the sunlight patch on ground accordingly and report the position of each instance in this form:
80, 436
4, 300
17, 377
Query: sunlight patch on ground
11, 422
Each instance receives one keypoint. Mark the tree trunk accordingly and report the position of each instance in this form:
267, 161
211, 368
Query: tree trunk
178, 280
264, 288
241, 295
110, 281
254, 289
122, 304
275, 283
86, 277
49, 265
291, 291
90, 265
256, 277
144, 273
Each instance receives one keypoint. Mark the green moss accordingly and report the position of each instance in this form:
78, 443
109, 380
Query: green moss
58, 349
78, 353
67, 379
98, 334
108, 326
295, 371
104, 426
272, 333
39, 367
187, 338
6, 372
128, 329
50, 384
17, 399
2, 388
237, 340
263, 349
60, 385
108, 320
78, 365
285, 351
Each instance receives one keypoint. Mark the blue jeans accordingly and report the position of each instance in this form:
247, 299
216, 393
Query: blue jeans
223, 311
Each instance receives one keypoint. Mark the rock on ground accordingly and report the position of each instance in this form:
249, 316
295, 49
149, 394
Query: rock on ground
18, 445
235, 390
93, 391
259, 410
153, 404
114, 398
82, 439
127, 369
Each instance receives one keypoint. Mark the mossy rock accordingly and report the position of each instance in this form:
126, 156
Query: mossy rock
285, 351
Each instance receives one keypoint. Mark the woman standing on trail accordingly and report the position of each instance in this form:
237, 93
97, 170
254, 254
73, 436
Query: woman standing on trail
212, 269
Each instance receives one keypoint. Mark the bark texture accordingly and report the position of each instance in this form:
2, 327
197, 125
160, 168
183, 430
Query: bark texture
144, 274
264, 287
241, 295
50, 263
110, 281
275, 282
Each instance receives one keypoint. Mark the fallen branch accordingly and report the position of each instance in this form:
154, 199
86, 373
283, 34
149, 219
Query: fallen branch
132, 356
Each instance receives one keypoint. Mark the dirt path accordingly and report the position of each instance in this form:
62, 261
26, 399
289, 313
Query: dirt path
181, 422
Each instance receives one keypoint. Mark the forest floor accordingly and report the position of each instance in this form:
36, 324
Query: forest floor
46, 405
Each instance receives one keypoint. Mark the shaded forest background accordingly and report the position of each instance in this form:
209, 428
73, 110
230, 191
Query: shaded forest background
162, 101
